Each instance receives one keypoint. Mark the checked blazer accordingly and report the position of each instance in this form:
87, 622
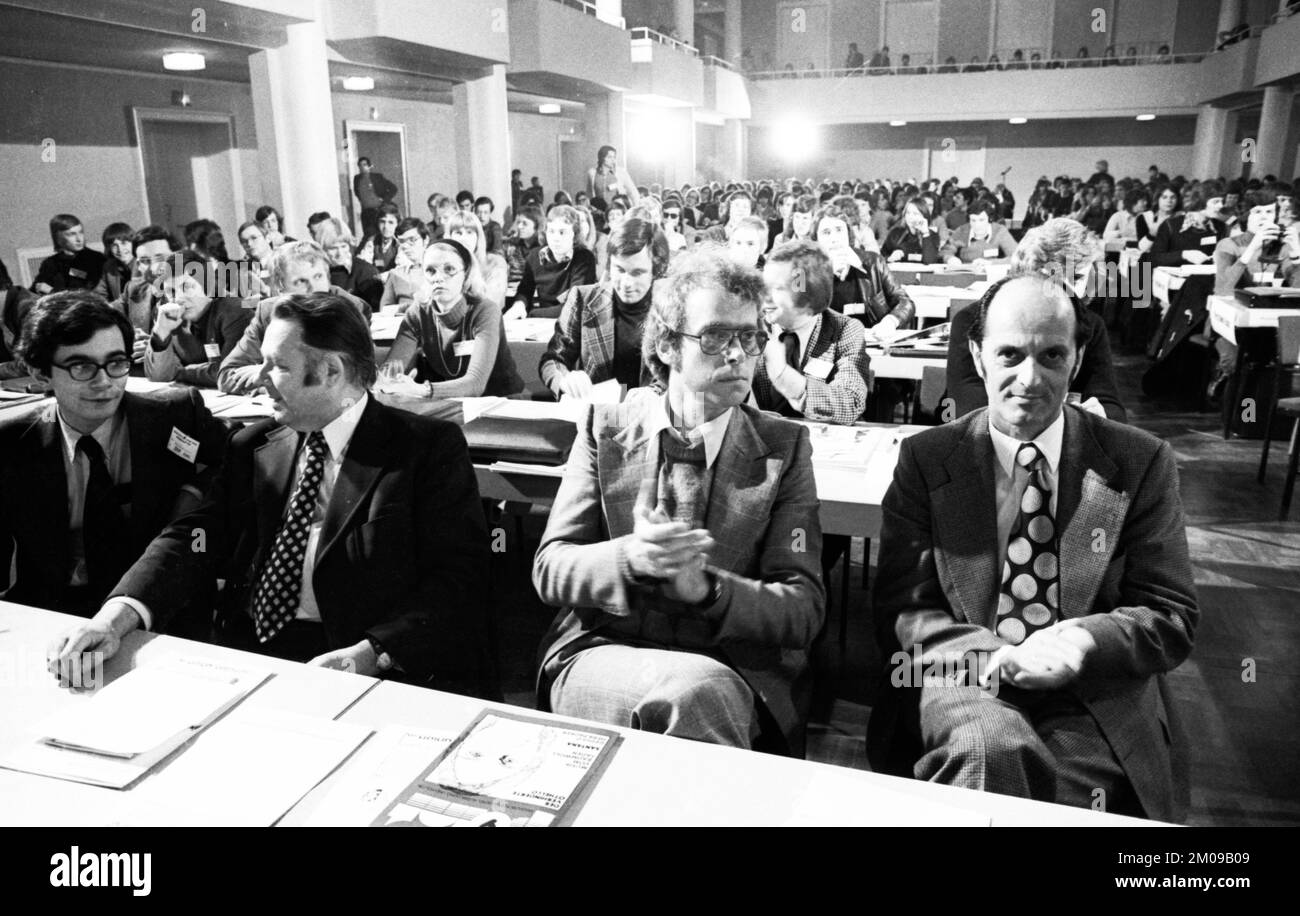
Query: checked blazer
583, 338
763, 515
842, 395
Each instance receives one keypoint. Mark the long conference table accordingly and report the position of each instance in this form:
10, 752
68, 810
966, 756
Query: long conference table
652, 780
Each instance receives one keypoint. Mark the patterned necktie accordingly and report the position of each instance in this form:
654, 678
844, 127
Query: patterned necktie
1030, 598
275, 599
103, 527
791, 342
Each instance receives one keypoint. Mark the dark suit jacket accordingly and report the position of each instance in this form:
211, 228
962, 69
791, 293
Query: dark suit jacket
383, 188
1096, 378
403, 556
1124, 570
34, 486
1174, 237
773, 601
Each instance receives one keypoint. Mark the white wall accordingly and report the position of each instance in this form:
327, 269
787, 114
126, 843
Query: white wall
95, 173
534, 149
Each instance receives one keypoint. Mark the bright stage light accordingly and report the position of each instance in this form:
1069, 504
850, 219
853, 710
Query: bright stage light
795, 139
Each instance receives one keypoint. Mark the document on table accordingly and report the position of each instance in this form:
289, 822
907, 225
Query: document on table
236, 406
387, 764
384, 326
846, 447
507, 770
135, 722
246, 770
534, 329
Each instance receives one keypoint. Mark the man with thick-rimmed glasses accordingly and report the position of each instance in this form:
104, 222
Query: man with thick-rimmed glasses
87, 483
684, 543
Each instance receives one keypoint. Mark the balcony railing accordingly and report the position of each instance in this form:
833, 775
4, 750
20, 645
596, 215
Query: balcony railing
645, 34
915, 69
711, 61
590, 9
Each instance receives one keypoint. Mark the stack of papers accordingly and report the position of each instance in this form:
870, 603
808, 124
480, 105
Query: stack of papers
235, 406
535, 329
134, 723
846, 448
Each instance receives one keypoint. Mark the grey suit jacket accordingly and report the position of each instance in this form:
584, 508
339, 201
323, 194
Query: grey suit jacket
1124, 570
763, 515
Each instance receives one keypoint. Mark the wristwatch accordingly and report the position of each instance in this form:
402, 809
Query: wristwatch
383, 660
713, 595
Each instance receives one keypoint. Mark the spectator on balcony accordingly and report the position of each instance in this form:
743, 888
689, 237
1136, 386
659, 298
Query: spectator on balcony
880, 61
1108, 58
1130, 57
995, 64
913, 240
1081, 59
1017, 60
1231, 37
1163, 56
1035, 61
855, 59
1054, 62
949, 65
975, 65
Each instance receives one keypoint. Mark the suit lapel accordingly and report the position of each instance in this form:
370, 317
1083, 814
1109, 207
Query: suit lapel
364, 460
965, 519
50, 486
147, 471
1090, 514
598, 331
273, 471
630, 461
740, 488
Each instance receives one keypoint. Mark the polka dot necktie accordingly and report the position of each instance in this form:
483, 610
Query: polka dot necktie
276, 597
1030, 594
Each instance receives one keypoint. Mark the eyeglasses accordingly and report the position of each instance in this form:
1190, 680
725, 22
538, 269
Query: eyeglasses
672, 214
84, 370
407, 240
713, 343
451, 273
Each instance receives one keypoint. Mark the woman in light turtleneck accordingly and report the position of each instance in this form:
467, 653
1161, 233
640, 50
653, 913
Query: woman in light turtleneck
454, 340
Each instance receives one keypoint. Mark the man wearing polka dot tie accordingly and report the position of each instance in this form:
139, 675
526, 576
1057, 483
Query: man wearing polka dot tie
1034, 556
349, 533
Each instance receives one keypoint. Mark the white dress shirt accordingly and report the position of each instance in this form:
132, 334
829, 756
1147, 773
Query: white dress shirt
338, 435
113, 439
1010, 479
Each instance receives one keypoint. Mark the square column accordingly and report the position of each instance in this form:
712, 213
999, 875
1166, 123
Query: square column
482, 121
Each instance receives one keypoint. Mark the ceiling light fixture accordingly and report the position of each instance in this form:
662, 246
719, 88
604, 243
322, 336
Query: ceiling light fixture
358, 83
548, 108
1018, 121
897, 123
183, 60
1146, 117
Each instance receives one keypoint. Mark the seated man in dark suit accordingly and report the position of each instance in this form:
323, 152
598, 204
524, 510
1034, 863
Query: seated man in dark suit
815, 363
349, 534
1034, 578
296, 267
684, 541
87, 483
1063, 249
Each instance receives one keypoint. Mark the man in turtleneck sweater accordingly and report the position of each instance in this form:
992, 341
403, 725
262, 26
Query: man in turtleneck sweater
684, 543
598, 334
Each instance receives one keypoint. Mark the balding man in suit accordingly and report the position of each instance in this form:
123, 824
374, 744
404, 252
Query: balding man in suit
1034, 573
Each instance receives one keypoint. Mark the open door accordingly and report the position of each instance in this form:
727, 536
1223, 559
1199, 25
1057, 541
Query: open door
384, 144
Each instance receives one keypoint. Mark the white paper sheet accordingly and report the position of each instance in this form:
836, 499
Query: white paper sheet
387, 764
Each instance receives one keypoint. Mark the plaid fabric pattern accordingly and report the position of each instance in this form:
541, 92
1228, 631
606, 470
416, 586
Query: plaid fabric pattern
842, 395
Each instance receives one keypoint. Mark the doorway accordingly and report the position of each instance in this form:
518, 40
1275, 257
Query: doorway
575, 159
189, 168
384, 144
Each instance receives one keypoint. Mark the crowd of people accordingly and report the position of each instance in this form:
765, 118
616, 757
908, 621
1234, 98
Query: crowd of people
684, 549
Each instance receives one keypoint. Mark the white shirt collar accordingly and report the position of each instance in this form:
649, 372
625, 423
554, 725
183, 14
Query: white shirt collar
103, 435
1048, 442
338, 432
713, 431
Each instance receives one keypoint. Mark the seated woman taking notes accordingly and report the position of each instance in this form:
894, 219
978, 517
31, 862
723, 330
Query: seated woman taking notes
453, 344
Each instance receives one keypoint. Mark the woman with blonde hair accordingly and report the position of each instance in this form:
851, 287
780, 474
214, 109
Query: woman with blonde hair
465, 228
551, 269
451, 344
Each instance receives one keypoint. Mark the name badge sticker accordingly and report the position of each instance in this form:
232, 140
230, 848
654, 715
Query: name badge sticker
186, 447
990, 252
819, 368
463, 348
855, 308
1209, 240
211, 350
914, 257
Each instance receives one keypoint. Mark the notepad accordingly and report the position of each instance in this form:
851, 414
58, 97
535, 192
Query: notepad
135, 722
